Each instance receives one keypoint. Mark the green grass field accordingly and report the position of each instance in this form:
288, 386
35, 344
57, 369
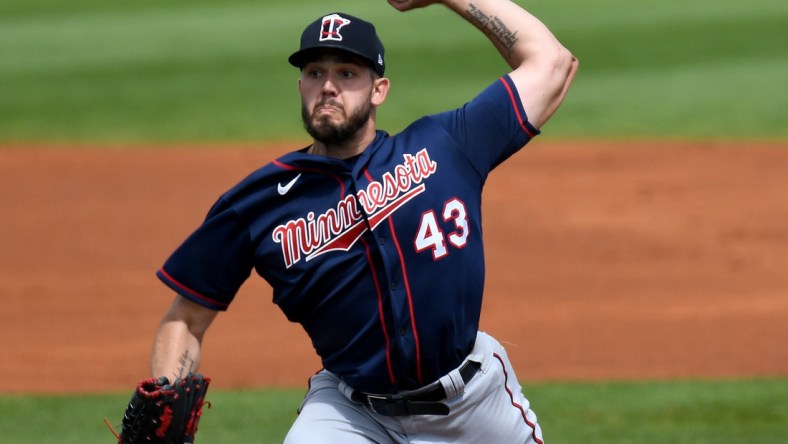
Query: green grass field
93, 70
679, 412
172, 71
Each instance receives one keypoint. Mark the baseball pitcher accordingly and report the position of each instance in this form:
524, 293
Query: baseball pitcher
373, 242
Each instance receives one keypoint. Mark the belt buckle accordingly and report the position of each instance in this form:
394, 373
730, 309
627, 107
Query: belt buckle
371, 398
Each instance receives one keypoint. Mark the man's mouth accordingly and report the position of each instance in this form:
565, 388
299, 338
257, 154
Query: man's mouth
327, 107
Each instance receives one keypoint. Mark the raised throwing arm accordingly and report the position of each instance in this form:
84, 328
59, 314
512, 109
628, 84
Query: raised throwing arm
542, 68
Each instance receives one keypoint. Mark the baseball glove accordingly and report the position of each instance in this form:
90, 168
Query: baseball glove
164, 413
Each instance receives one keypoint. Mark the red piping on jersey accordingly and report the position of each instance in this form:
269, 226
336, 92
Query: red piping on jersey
511, 397
392, 378
410, 303
516, 108
283, 166
189, 291
408, 292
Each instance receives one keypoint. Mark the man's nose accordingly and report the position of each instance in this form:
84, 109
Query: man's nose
330, 87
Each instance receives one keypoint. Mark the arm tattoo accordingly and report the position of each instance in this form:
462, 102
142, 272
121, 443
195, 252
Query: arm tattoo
185, 365
494, 27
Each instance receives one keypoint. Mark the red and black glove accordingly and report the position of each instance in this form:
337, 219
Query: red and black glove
164, 413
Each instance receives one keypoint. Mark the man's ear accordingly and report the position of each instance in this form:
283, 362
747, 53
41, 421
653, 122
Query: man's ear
380, 89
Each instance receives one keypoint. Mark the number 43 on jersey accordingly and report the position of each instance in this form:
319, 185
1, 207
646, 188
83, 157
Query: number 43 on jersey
431, 237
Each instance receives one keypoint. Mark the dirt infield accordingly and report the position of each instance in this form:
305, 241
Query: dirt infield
615, 260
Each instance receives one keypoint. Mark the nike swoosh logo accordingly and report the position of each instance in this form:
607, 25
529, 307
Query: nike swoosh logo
283, 189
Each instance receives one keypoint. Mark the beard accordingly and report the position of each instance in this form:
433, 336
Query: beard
327, 132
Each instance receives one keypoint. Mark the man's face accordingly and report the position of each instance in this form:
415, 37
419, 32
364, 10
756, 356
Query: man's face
336, 97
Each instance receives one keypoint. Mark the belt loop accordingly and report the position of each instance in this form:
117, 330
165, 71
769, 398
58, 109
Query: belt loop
345, 389
453, 384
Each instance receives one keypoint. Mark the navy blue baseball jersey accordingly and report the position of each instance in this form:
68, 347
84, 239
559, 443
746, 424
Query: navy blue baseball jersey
380, 256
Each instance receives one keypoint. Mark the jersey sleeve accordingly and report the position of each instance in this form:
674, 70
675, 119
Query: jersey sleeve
491, 127
214, 261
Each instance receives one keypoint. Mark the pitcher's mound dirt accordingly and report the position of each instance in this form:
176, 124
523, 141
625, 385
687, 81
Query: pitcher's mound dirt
605, 261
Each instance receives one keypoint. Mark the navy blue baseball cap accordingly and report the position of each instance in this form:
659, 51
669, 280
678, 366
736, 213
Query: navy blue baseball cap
344, 32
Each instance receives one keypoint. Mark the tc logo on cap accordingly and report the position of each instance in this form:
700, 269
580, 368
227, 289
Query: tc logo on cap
331, 26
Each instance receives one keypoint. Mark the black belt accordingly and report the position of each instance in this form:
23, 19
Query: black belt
423, 401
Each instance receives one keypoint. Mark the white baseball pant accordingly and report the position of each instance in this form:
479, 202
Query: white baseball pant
491, 409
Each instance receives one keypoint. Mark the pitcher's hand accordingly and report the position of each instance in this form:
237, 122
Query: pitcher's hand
406, 5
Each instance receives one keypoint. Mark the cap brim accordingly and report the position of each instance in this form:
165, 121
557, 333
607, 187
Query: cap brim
298, 58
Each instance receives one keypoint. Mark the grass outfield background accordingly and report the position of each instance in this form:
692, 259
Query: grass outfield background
151, 70
110, 72
679, 412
